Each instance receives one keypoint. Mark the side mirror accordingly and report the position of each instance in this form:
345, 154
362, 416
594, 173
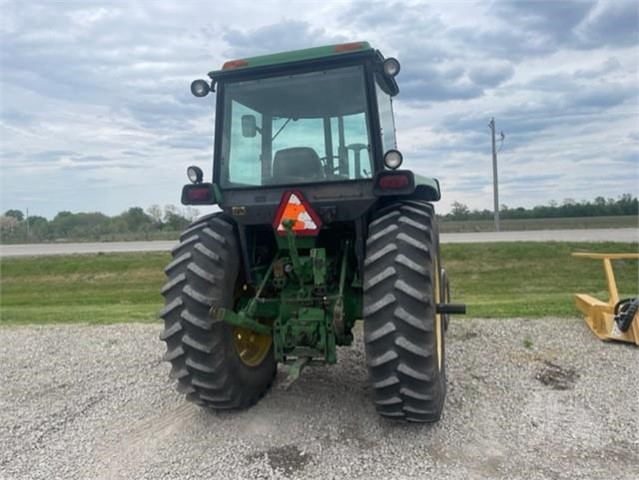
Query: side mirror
249, 128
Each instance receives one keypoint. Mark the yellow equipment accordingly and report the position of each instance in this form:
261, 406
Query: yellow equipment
615, 320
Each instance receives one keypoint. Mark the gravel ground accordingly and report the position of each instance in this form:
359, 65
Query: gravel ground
95, 402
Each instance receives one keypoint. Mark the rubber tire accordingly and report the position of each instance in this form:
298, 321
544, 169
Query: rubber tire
627, 314
204, 361
402, 254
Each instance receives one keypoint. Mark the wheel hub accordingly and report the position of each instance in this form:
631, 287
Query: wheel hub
251, 347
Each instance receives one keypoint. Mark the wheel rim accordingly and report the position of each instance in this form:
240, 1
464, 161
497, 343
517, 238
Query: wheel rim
438, 318
251, 347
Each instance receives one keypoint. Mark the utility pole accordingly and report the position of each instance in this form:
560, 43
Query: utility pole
27, 219
495, 179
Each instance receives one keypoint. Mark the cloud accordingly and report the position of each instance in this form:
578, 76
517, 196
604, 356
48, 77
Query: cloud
612, 24
491, 75
555, 21
277, 37
100, 90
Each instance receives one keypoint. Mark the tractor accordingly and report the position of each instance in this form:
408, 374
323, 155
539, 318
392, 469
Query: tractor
318, 226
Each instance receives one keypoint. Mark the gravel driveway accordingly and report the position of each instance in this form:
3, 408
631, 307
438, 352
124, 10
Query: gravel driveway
95, 402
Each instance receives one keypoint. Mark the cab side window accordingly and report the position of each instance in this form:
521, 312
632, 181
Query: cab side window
386, 121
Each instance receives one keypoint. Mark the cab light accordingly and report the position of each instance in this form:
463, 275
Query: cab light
391, 67
393, 159
200, 88
194, 174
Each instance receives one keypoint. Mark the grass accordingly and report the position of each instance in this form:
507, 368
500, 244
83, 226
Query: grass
523, 279
627, 221
527, 279
103, 288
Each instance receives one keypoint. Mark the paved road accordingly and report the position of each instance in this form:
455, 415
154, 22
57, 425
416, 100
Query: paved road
71, 248
526, 400
593, 235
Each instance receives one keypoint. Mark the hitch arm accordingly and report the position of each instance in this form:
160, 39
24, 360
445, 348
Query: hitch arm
239, 320
451, 308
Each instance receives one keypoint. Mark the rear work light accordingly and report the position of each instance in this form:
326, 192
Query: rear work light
396, 182
198, 194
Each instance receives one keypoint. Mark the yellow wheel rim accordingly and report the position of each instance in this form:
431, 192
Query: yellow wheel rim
251, 347
438, 317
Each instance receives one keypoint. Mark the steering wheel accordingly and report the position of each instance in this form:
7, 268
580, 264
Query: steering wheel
327, 168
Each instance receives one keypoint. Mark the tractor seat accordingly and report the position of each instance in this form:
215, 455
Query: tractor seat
297, 164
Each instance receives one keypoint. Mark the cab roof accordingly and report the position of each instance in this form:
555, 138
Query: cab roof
326, 51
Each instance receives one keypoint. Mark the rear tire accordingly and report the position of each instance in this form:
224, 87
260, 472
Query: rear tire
404, 336
201, 350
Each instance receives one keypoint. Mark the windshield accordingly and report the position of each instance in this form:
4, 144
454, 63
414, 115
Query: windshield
303, 128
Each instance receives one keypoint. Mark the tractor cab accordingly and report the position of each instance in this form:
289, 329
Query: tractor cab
323, 116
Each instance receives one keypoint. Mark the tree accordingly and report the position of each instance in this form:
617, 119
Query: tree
136, 220
17, 214
459, 210
10, 230
155, 212
170, 211
40, 229
173, 220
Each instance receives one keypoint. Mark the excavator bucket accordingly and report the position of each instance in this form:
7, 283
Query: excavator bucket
616, 319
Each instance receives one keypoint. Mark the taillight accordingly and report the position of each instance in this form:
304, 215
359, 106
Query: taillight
198, 194
395, 181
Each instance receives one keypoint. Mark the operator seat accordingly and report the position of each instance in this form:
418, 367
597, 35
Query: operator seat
297, 164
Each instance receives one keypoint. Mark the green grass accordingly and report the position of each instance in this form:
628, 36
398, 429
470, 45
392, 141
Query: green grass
104, 288
527, 279
495, 280
571, 223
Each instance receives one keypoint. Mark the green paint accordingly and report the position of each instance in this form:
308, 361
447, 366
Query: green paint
431, 183
309, 295
318, 259
217, 194
239, 320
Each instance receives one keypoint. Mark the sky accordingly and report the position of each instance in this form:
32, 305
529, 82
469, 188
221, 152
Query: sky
96, 112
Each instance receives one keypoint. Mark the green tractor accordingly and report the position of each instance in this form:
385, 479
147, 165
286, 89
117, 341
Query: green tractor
318, 227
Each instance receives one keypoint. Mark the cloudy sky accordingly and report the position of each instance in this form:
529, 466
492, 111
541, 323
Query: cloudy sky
96, 112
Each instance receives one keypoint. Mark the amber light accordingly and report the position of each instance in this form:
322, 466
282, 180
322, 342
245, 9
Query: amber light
390, 182
347, 47
234, 64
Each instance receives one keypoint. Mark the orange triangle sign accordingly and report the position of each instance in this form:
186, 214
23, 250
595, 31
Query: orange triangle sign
294, 206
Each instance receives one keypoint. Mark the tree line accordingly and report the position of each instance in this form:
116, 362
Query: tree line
626, 204
134, 224
156, 223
